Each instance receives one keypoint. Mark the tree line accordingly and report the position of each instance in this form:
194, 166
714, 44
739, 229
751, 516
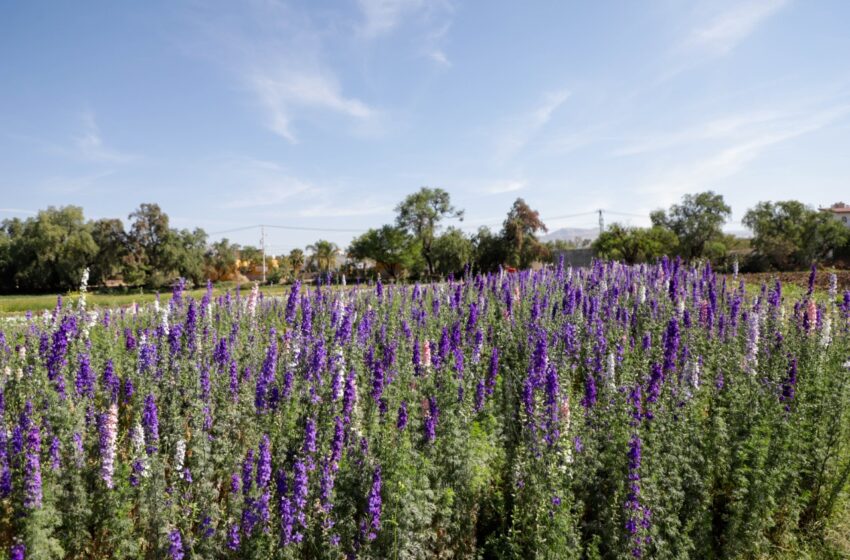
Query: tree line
47, 252
786, 235
416, 246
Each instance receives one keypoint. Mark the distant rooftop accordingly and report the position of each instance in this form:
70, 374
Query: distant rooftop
837, 208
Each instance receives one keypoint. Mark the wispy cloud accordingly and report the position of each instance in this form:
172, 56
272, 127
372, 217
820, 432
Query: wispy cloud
519, 131
430, 20
724, 31
263, 183
90, 146
281, 191
716, 164
713, 129
730, 28
282, 92
17, 211
438, 56
260, 185
275, 54
383, 16
436, 36
502, 187
74, 184
336, 210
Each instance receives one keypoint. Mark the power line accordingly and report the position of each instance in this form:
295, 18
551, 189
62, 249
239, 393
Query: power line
18, 211
263, 244
570, 215
349, 230
626, 214
233, 230
304, 228
294, 228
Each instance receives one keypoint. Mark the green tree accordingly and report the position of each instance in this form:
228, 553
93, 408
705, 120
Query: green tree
634, 245
420, 214
561, 245
488, 250
249, 258
323, 254
51, 250
157, 254
277, 274
790, 235
9, 230
296, 261
149, 246
519, 233
697, 222
188, 256
221, 259
452, 251
392, 248
111, 240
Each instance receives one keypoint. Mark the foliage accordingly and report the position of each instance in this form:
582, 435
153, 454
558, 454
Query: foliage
323, 254
452, 252
421, 213
608, 412
787, 235
221, 259
282, 272
519, 233
49, 250
635, 245
111, 240
560, 245
489, 249
151, 250
158, 253
188, 256
393, 249
697, 223
249, 258
296, 261
516, 244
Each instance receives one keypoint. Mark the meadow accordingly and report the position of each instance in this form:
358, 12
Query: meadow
19, 304
648, 411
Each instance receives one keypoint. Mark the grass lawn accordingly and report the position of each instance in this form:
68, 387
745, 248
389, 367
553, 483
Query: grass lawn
16, 304
794, 286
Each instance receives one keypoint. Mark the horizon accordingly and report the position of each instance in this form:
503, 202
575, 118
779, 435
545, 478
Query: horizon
326, 115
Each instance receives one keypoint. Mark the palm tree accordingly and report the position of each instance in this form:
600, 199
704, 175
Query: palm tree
324, 253
296, 261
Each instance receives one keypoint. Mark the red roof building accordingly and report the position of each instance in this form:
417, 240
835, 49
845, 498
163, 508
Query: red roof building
840, 211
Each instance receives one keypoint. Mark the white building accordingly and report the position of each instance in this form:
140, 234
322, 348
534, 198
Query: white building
840, 212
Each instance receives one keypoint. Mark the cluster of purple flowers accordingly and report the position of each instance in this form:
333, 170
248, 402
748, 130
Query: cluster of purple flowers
299, 412
373, 523
431, 419
637, 515
150, 421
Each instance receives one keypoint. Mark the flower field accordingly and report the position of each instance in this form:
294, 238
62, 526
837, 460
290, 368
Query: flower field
613, 412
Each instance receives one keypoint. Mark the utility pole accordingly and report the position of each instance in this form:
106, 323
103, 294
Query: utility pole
263, 245
601, 222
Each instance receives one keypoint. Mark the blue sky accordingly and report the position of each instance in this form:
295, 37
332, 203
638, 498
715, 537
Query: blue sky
325, 114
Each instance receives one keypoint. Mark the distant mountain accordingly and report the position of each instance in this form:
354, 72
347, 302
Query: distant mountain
744, 233
571, 234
